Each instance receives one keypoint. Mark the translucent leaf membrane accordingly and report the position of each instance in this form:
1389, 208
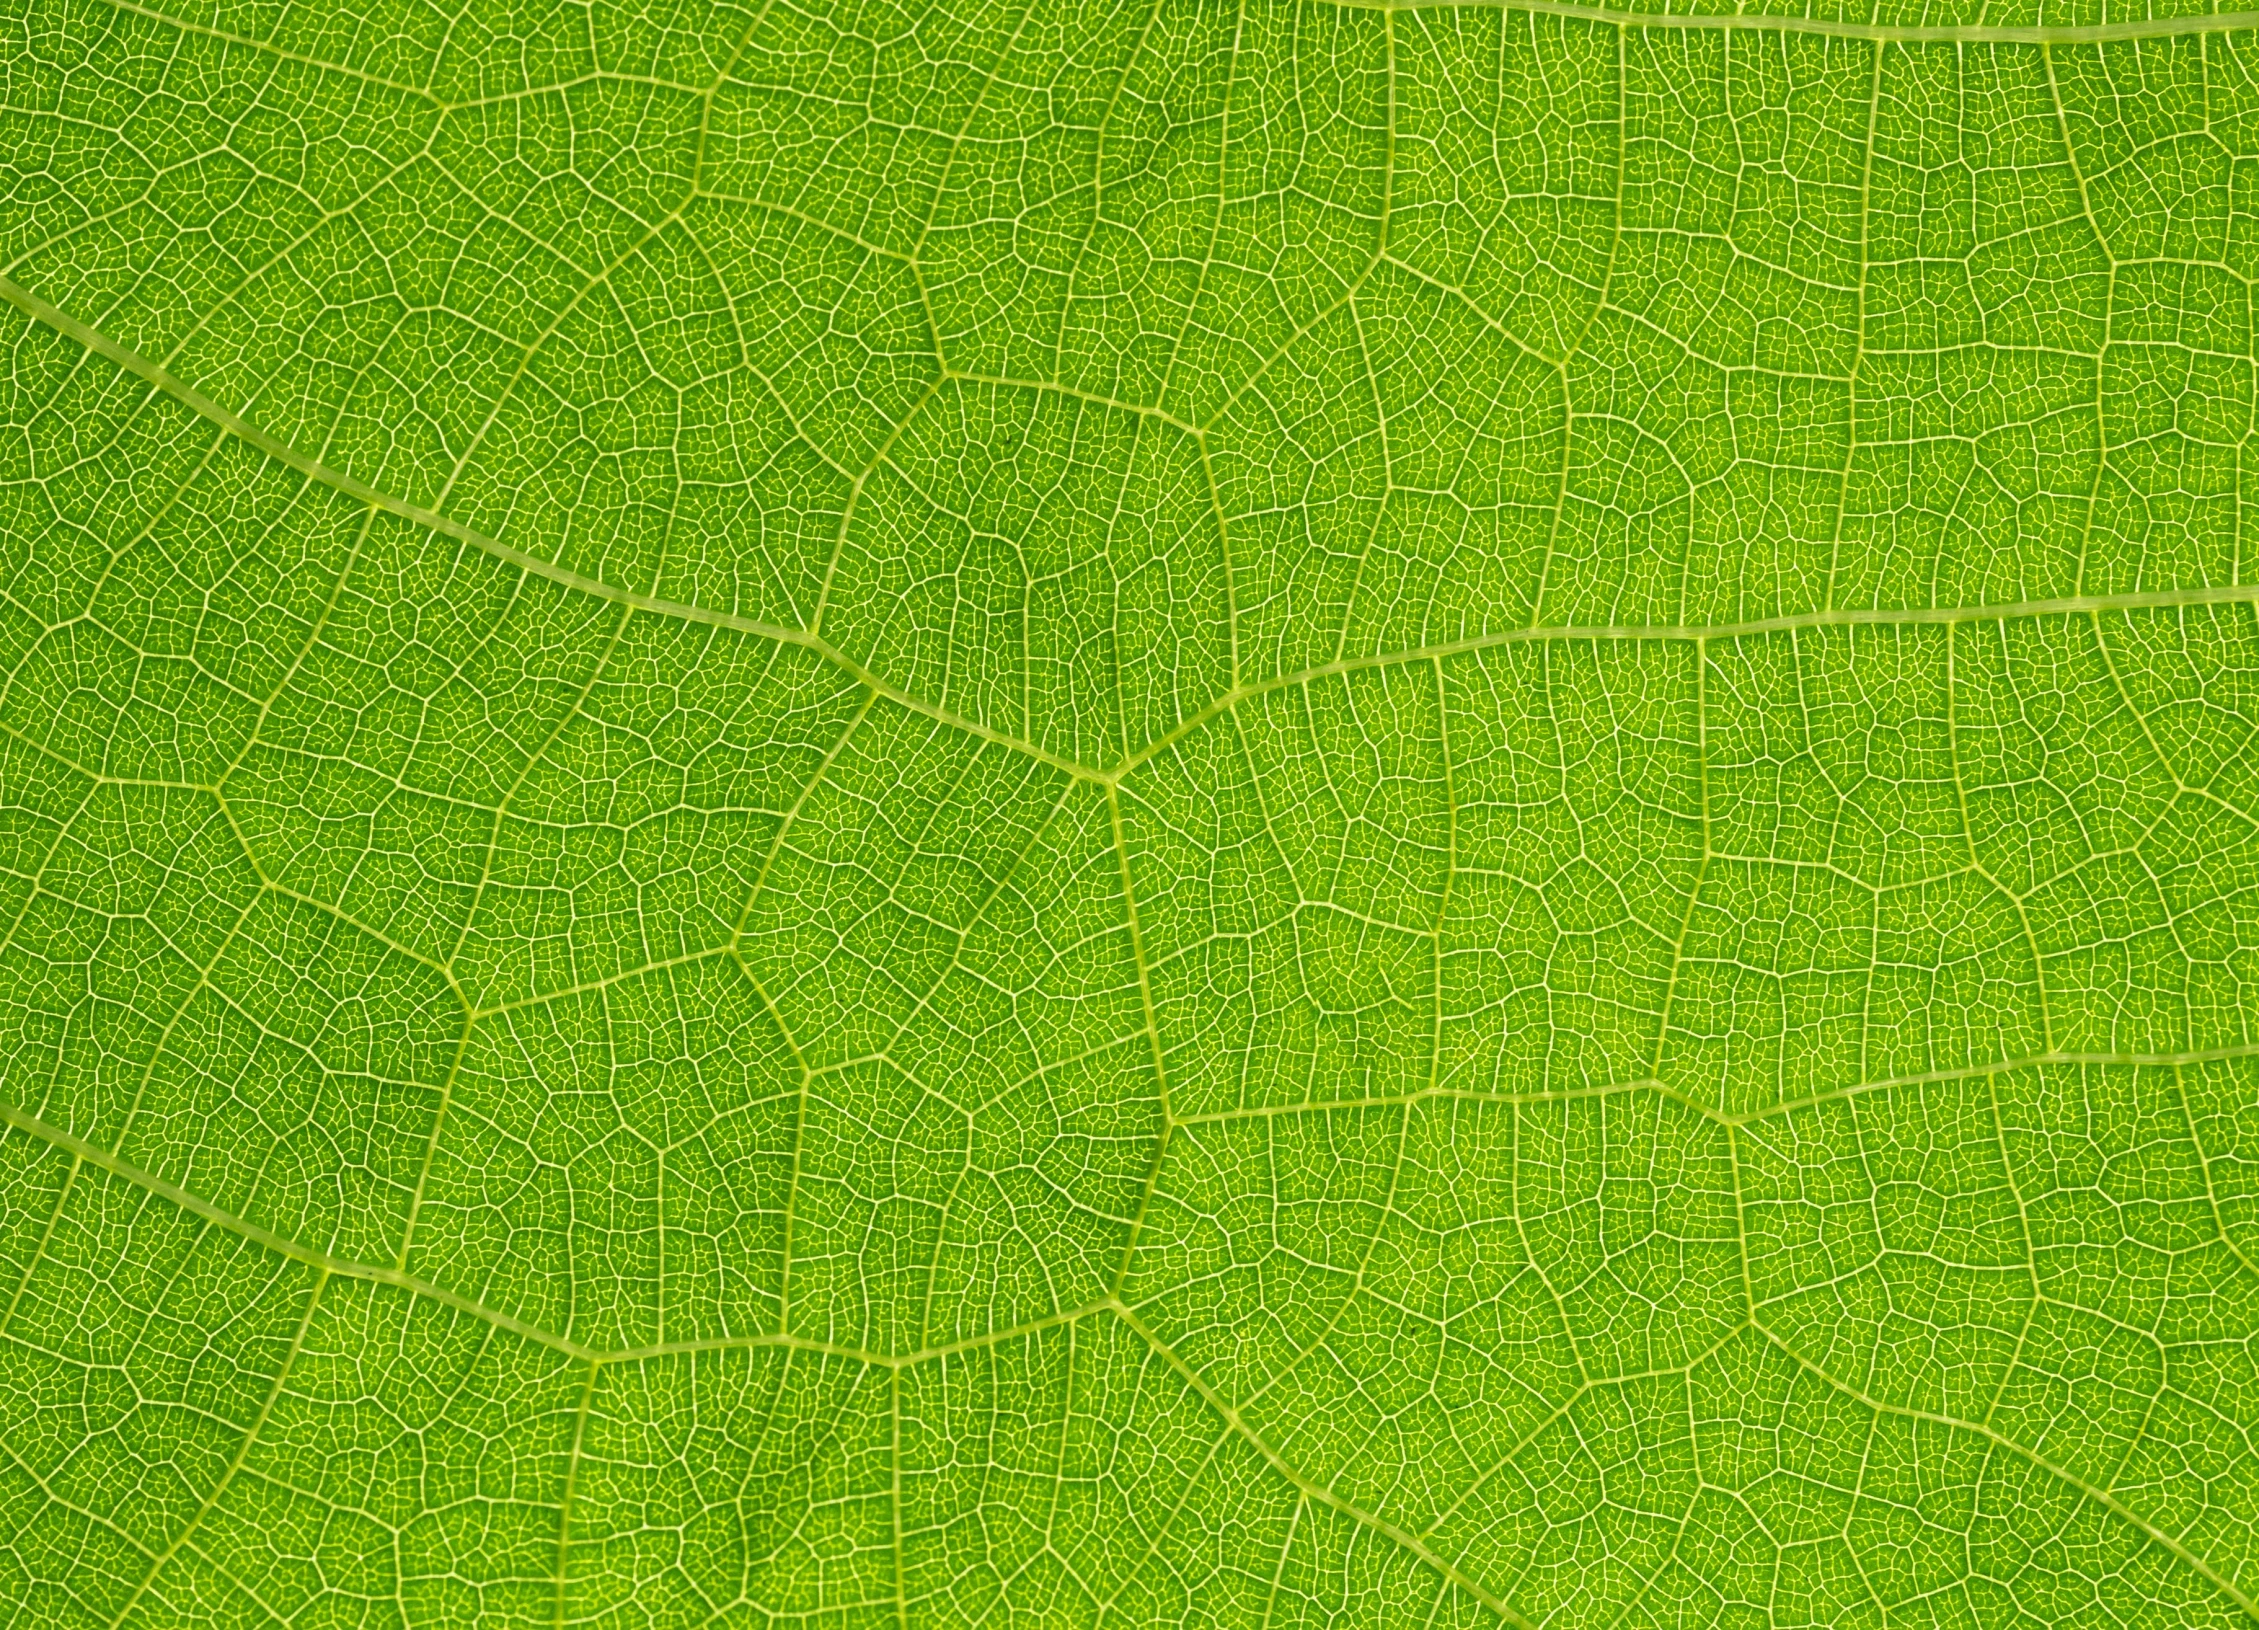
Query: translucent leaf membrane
1428, 817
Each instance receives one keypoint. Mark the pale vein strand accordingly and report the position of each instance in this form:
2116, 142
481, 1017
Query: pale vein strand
2106, 33
109, 1160
534, 565
328, 1267
2132, 28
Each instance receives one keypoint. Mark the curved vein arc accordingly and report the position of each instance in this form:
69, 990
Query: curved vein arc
274, 447
337, 1267
151, 373
2092, 1491
1231, 1417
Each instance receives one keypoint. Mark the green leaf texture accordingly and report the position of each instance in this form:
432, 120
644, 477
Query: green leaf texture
1198, 814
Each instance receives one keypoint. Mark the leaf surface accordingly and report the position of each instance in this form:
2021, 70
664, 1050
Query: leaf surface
1149, 815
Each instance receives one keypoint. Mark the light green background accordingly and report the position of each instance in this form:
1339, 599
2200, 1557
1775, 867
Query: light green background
1195, 815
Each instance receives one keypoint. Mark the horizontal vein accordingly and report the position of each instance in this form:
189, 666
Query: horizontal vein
1787, 1106
897, 1361
1756, 627
346, 1268
280, 53
2093, 1491
118, 1166
313, 469
1971, 1072
274, 447
345, 70
2133, 28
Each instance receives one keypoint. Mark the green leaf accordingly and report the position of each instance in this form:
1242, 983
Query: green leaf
827, 815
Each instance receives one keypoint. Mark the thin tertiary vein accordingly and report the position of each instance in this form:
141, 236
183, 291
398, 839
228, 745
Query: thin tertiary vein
282, 452
90, 1154
274, 447
1319, 1492
336, 1267
2093, 1491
